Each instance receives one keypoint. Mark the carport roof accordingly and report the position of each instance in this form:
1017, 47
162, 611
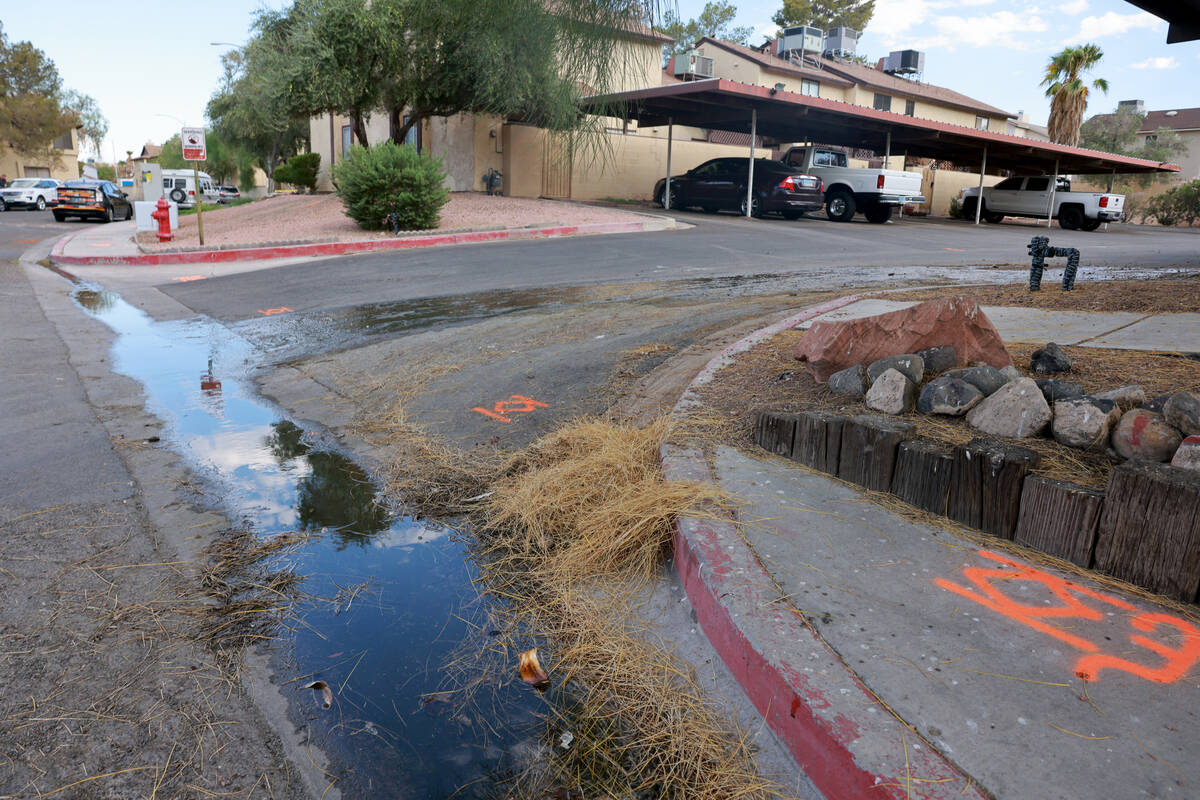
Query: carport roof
789, 117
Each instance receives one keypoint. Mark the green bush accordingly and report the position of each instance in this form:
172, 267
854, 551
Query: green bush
956, 212
1180, 204
390, 178
300, 171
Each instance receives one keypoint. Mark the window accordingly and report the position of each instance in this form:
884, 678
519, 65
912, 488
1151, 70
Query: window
910, 108
828, 158
37, 172
810, 88
981, 123
1009, 184
707, 169
347, 139
1152, 139
1037, 184
413, 137
883, 102
64, 142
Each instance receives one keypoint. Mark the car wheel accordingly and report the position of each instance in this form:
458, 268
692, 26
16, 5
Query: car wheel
1070, 218
993, 217
1090, 225
755, 207
41, 203
108, 217
840, 206
878, 214
128, 213
3, 207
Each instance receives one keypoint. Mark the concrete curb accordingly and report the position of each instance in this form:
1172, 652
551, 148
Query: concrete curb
845, 738
57, 255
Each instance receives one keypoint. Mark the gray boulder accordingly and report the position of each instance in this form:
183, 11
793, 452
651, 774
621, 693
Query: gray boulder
940, 358
1142, 435
1050, 358
1182, 412
1126, 397
1054, 389
1188, 454
950, 396
1016, 410
891, 393
851, 381
1011, 373
1084, 422
986, 379
1156, 403
910, 365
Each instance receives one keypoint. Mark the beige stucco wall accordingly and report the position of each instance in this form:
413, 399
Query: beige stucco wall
453, 140
942, 185
522, 162
1189, 164
63, 164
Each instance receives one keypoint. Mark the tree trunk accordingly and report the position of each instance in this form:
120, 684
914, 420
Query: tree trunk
413, 119
359, 127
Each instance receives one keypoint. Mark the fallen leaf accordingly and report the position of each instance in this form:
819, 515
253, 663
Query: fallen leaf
323, 688
532, 672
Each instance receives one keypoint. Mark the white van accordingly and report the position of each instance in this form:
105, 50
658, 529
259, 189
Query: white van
179, 186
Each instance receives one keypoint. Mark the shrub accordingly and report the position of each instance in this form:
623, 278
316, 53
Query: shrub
956, 211
1179, 204
300, 171
391, 179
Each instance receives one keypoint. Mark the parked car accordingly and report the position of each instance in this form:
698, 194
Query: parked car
29, 193
89, 199
721, 184
179, 185
227, 193
850, 190
1029, 196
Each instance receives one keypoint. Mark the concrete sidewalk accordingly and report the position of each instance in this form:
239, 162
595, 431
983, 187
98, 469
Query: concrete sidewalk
899, 659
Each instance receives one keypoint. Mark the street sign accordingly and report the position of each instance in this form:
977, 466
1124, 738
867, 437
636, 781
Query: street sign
193, 144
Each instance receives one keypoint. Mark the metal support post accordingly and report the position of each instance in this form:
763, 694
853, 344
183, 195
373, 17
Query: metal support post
667, 186
887, 151
199, 201
1053, 191
750, 173
982, 171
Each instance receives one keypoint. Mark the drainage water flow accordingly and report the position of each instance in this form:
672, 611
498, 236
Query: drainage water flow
380, 649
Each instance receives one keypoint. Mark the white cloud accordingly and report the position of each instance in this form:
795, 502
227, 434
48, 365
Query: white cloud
916, 24
1161, 62
1113, 23
1074, 7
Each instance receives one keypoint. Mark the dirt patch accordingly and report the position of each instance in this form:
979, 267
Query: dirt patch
1176, 295
768, 378
321, 218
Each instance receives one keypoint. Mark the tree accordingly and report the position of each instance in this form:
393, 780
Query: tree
31, 112
714, 21
1068, 90
1111, 133
221, 162
825, 14
93, 124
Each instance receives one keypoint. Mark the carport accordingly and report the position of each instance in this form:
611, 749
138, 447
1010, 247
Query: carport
780, 117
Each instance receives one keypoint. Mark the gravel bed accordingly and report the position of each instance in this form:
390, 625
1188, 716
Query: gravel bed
297, 219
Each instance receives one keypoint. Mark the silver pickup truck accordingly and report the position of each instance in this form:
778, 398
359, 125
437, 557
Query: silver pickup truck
1030, 196
849, 190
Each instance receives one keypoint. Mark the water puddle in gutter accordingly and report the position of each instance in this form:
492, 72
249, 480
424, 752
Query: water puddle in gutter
403, 587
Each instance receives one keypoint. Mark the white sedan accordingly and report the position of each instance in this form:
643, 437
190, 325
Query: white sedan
29, 193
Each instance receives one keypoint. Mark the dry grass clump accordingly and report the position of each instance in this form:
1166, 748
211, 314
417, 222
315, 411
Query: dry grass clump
573, 533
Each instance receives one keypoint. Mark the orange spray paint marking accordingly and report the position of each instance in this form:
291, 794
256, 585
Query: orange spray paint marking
517, 405
270, 312
954, 249
186, 278
1073, 605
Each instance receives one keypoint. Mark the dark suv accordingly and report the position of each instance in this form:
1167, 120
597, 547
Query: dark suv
89, 199
721, 184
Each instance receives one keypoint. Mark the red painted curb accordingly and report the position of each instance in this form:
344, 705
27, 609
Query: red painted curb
843, 736
340, 248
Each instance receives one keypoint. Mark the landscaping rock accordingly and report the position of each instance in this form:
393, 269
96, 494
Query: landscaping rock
851, 381
956, 321
1011, 373
1050, 358
1084, 422
1156, 404
912, 366
1054, 389
1187, 455
940, 358
984, 378
950, 396
891, 393
1126, 397
1142, 435
1182, 412
1016, 410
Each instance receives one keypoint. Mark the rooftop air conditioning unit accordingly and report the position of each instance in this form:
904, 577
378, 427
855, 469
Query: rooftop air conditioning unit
800, 37
904, 62
693, 64
841, 41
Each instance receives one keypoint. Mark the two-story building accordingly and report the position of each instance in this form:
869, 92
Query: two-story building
60, 160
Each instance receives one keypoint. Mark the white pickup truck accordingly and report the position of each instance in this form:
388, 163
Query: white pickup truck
849, 190
1029, 196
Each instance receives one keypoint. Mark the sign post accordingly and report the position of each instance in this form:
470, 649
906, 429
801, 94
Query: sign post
195, 152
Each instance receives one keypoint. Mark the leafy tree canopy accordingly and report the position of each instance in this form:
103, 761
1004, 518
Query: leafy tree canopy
32, 113
1068, 90
94, 125
825, 14
221, 162
714, 21
1112, 133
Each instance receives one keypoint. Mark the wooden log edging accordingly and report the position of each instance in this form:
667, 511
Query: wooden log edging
1144, 529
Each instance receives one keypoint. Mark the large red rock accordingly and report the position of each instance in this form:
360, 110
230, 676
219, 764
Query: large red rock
958, 321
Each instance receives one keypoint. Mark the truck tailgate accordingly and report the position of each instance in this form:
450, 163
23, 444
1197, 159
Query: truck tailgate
907, 184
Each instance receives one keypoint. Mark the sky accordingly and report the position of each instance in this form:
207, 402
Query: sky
151, 66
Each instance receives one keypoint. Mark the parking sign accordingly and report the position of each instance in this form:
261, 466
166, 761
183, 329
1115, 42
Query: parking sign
193, 144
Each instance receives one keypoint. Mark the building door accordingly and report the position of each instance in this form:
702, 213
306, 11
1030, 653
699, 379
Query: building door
37, 172
556, 166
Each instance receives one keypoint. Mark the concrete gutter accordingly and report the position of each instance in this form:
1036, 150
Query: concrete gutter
848, 740
313, 249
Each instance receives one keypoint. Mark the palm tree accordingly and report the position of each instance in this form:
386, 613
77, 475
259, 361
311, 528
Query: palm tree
1069, 92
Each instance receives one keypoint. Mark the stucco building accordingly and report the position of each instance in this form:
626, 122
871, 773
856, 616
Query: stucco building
60, 160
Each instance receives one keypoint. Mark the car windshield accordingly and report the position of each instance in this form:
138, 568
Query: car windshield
24, 183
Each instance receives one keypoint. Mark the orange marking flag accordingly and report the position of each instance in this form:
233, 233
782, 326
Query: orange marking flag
517, 405
1177, 641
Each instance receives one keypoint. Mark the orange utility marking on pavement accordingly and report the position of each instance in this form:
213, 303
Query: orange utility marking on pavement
270, 312
184, 278
954, 249
27, 241
100, 244
1178, 660
517, 405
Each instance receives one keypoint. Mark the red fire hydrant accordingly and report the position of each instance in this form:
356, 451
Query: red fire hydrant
162, 213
